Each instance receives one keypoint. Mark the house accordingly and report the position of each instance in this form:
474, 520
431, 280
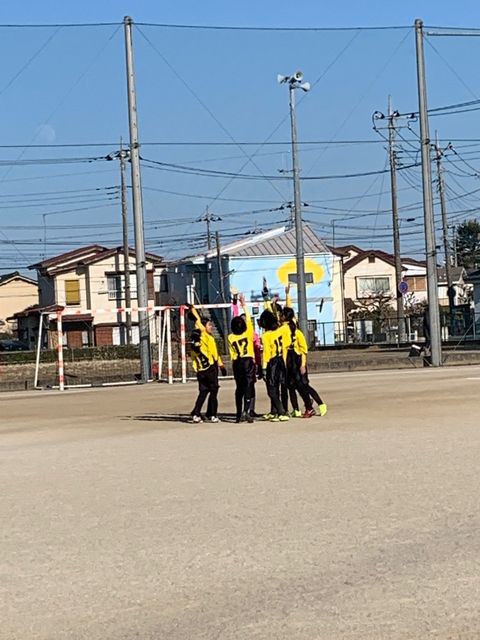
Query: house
473, 279
462, 290
87, 283
16, 292
241, 266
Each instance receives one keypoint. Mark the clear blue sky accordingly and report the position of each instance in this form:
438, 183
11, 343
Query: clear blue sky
67, 85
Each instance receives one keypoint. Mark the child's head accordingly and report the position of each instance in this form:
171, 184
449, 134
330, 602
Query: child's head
238, 325
208, 324
268, 321
288, 314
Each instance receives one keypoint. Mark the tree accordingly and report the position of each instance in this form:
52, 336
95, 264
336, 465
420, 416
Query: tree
467, 244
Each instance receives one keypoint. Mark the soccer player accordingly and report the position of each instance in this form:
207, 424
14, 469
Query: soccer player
206, 362
242, 354
275, 341
296, 368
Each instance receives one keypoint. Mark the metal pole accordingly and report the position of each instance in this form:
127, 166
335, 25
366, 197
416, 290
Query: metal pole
37, 357
396, 229
446, 243
141, 267
61, 373
126, 252
430, 248
301, 288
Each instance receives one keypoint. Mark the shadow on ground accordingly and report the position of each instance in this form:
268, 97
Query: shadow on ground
177, 417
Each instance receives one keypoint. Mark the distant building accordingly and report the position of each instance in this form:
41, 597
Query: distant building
242, 265
82, 282
16, 293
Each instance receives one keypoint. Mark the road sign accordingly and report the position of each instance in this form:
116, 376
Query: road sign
403, 287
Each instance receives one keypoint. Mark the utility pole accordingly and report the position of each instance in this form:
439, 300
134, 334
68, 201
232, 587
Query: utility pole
446, 241
402, 336
222, 289
209, 217
141, 267
122, 155
430, 247
296, 82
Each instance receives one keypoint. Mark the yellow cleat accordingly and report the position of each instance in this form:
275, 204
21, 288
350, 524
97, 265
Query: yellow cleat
322, 409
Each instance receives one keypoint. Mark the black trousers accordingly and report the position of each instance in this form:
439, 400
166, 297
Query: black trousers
244, 371
207, 386
296, 381
274, 380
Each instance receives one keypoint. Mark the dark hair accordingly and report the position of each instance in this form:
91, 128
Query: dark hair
268, 321
238, 325
204, 320
288, 315
195, 337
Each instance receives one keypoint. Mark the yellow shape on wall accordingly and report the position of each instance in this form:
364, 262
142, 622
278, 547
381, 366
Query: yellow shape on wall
317, 271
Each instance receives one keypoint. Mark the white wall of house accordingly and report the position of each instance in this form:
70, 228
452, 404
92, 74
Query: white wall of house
337, 290
103, 290
381, 275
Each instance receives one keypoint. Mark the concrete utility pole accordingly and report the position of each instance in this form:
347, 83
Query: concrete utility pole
402, 336
141, 267
430, 247
446, 241
296, 82
222, 290
123, 155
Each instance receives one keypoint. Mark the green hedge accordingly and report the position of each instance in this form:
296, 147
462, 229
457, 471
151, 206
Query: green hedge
109, 352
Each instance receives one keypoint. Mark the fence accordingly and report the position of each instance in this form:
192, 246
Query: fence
456, 326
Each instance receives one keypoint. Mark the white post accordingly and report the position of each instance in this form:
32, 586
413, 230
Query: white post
163, 331
61, 375
169, 346
183, 344
39, 346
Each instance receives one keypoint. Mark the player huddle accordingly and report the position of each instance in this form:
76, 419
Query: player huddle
282, 364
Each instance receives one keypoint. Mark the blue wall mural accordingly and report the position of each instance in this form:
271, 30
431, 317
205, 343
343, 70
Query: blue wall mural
246, 276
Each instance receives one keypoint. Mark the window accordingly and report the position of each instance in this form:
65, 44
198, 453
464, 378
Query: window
72, 291
163, 283
371, 259
416, 283
116, 287
373, 286
292, 278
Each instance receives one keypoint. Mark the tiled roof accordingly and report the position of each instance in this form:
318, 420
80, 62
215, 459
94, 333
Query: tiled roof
457, 273
87, 255
15, 275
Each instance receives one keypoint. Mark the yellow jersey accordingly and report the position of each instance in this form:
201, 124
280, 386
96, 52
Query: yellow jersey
241, 345
208, 352
276, 343
299, 345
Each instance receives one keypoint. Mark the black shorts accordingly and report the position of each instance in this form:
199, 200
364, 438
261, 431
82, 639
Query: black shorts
294, 362
244, 371
276, 371
208, 379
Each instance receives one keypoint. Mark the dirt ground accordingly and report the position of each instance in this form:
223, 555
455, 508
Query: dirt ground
120, 520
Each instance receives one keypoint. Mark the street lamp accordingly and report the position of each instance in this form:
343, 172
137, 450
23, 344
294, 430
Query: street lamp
296, 82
